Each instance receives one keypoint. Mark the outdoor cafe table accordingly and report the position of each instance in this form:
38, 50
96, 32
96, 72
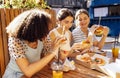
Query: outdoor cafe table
79, 72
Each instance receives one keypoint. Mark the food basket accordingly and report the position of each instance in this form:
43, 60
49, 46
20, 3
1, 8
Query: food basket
89, 61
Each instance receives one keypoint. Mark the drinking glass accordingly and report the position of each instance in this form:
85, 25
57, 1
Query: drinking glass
57, 70
115, 50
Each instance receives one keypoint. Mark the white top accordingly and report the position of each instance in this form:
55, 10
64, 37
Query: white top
66, 46
19, 49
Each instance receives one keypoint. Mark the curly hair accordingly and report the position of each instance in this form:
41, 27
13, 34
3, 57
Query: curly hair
30, 25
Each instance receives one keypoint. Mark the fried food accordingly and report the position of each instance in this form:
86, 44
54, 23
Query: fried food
99, 61
85, 44
86, 59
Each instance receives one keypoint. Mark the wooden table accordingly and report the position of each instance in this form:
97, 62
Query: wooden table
79, 72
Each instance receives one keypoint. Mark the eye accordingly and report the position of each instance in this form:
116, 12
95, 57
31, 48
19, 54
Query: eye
80, 19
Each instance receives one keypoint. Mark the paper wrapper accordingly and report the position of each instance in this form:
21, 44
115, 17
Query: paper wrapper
92, 64
112, 69
68, 65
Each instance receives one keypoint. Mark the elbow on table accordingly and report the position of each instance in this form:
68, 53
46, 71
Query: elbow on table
27, 74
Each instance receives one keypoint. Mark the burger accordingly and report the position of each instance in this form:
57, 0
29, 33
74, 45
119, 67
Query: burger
85, 44
99, 31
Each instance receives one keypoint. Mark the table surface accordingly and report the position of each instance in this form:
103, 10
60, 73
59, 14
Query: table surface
80, 72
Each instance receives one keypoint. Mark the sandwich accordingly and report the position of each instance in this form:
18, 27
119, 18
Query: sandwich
99, 31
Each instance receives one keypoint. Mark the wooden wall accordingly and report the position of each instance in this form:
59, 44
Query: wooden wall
6, 16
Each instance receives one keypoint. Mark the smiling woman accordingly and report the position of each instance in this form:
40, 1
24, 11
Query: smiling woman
83, 32
64, 22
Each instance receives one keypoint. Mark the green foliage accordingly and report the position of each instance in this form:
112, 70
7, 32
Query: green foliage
28, 4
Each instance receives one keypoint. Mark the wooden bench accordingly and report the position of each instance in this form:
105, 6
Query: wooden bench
6, 16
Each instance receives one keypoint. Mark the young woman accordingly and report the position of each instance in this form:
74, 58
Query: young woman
64, 22
83, 32
25, 41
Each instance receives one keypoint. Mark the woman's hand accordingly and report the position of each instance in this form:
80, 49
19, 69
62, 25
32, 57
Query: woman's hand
93, 28
105, 31
80, 47
57, 43
76, 46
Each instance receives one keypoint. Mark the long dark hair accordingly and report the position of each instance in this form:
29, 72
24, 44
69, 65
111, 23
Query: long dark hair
80, 11
63, 13
30, 25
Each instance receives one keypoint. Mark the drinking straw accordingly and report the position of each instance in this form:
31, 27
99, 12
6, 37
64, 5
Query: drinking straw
99, 20
119, 38
114, 41
63, 30
58, 60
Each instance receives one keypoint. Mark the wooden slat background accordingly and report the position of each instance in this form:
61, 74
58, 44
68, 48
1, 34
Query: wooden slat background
6, 16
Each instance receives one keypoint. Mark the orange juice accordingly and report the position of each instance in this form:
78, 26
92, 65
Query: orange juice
117, 74
115, 52
57, 74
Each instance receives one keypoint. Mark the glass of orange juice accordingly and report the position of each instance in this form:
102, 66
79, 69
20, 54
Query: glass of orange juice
57, 70
57, 74
115, 50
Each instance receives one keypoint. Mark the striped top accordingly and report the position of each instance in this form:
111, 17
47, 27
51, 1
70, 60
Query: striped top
79, 36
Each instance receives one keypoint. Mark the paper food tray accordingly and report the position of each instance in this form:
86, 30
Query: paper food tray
92, 65
112, 69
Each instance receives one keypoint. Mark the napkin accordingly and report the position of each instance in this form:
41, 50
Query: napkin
112, 69
68, 65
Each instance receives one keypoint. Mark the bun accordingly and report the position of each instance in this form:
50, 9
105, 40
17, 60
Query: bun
100, 61
99, 31
85, 44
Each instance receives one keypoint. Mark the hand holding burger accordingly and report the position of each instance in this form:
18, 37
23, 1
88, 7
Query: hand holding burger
102, 30
99, 31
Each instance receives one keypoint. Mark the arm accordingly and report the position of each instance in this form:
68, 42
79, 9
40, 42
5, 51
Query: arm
91, 34
30, 69
100, 44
